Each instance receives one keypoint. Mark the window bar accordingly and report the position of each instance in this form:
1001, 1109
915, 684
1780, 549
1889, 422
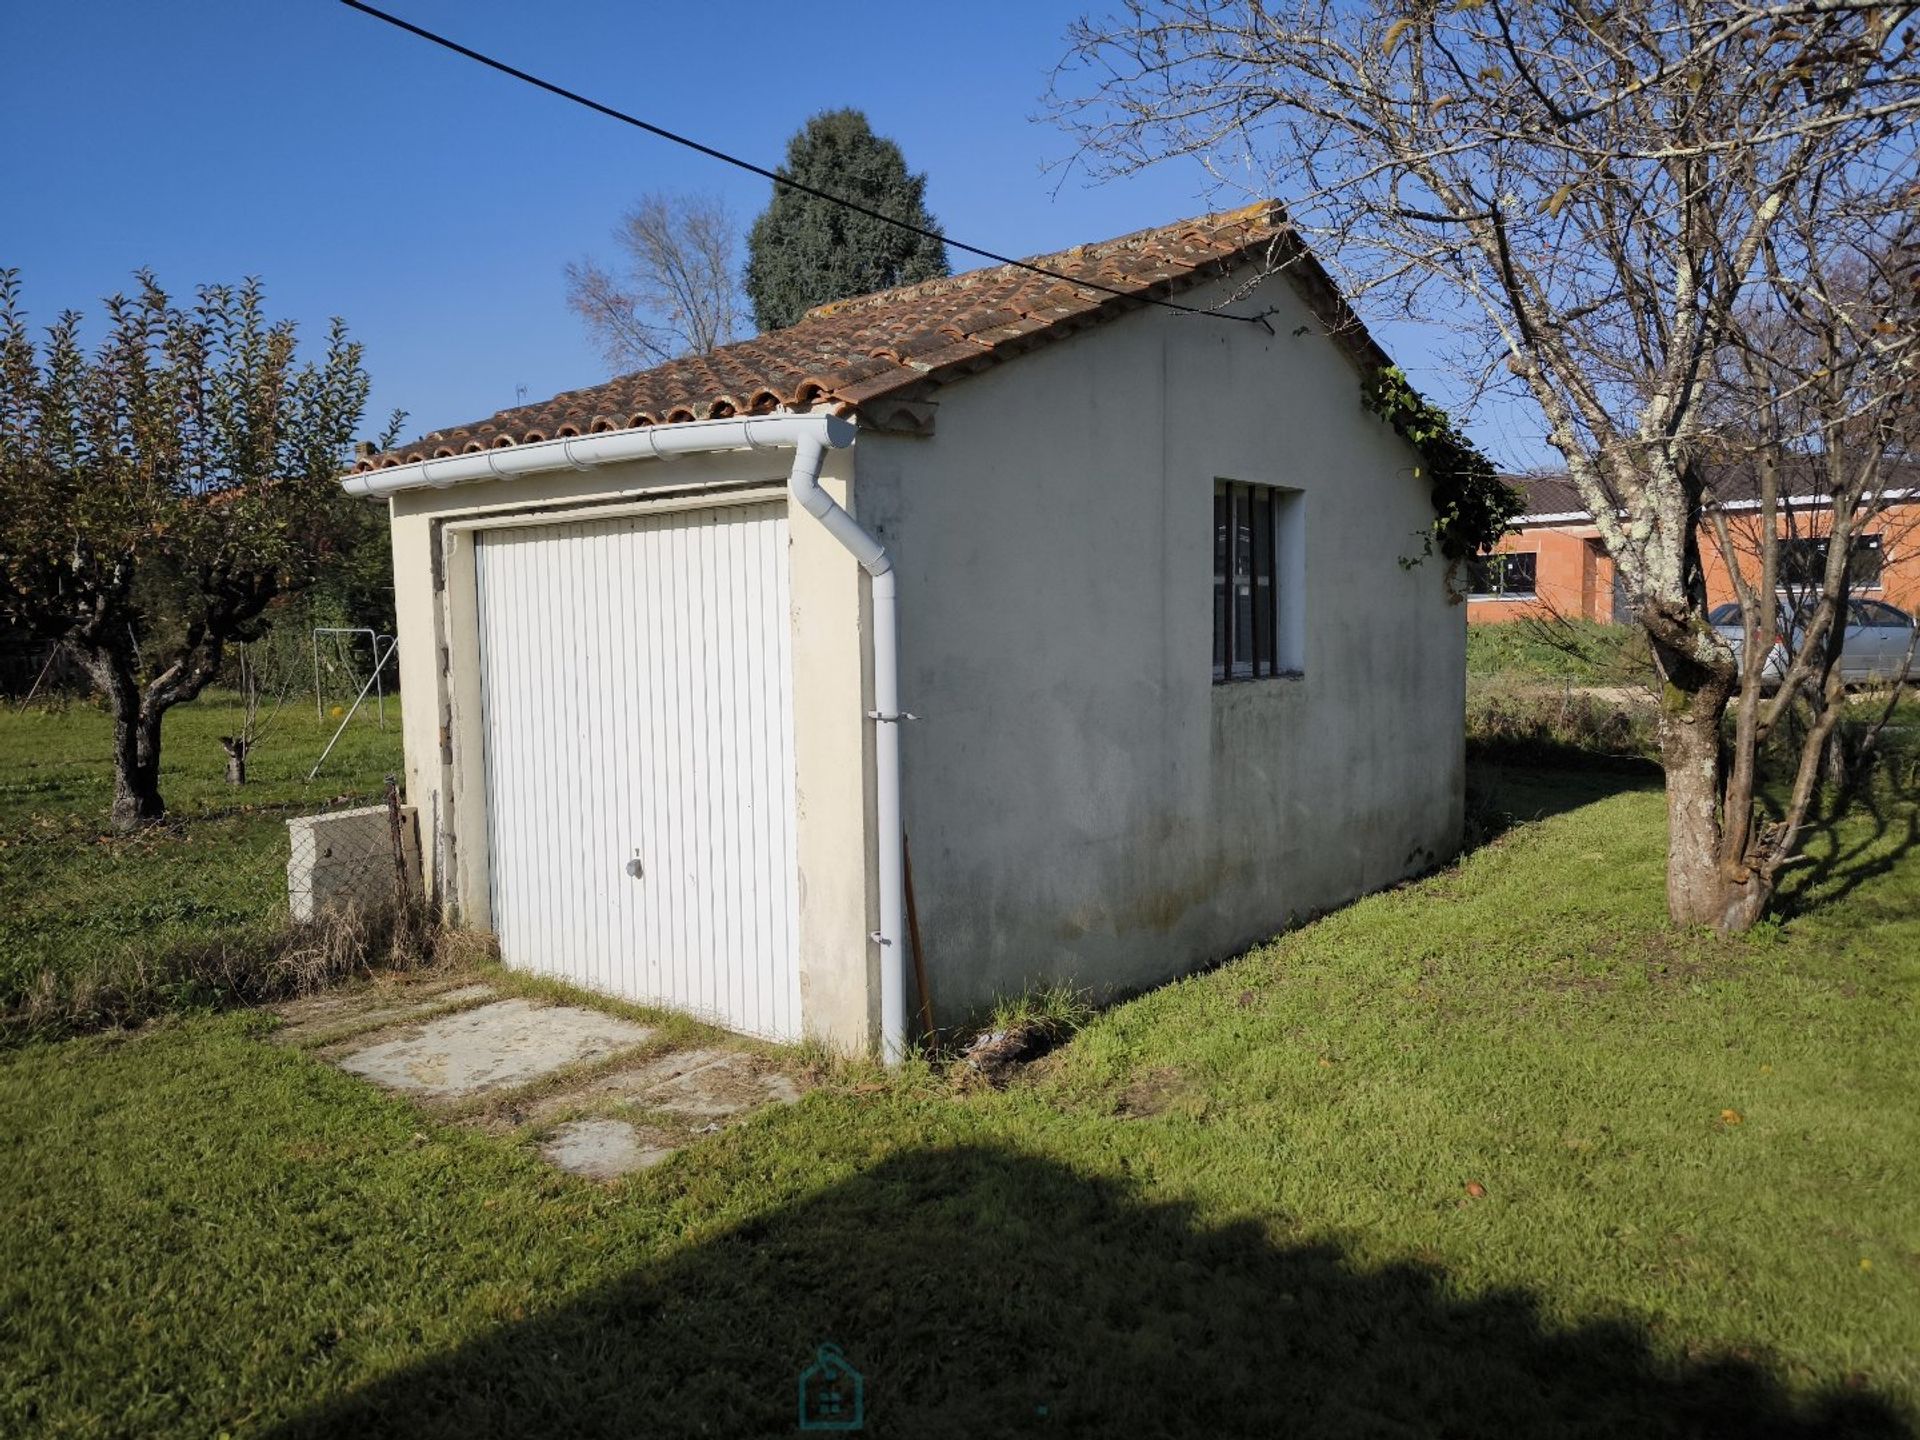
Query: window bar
1262, 574
1273, 580
1242, 567
1222, 577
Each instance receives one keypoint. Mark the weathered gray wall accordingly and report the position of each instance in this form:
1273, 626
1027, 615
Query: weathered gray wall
1083, 801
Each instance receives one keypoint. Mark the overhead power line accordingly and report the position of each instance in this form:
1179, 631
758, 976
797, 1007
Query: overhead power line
775, 176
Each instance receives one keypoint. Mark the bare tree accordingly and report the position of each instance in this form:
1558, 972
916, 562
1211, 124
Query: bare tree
677, 292
1817, 425
253, 690
1600, 198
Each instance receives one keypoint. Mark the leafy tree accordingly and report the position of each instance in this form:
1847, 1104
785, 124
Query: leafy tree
804, 251
157, 496
678, 295
354, 585
1616, 205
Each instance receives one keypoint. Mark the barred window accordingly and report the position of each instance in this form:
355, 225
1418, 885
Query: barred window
1255, 590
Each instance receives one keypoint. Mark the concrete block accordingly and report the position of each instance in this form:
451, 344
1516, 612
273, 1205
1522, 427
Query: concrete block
345, 857
605, 1149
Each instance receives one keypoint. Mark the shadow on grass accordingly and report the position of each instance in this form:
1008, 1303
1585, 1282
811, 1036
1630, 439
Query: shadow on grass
1864, 831
1508, 785
983, 1291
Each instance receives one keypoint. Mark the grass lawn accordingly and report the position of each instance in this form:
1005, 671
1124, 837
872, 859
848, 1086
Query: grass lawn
1492, 1154
1559, 651
69, 891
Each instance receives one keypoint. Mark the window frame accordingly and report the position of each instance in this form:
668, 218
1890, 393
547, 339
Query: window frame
1795, 580
1892, 617
1250, 551
1503, 561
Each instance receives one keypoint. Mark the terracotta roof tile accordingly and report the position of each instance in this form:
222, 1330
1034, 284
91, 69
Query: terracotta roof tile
882, 355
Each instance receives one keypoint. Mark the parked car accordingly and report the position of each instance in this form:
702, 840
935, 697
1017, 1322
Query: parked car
1878, 644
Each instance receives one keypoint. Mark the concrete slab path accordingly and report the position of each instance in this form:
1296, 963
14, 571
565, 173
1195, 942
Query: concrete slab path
336, 1012
605, 1149
507, 1043
445, 1042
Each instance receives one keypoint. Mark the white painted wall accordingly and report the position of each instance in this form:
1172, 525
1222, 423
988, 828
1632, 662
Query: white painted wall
1083, 801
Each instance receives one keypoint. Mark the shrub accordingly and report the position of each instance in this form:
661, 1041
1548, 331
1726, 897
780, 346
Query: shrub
1508, 720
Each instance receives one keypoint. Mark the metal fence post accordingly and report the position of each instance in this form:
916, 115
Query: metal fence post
402, 891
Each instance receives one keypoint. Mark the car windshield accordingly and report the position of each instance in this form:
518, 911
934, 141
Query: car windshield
1724, 615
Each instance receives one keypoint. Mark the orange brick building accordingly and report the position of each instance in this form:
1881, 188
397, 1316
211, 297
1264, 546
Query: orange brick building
1556, 566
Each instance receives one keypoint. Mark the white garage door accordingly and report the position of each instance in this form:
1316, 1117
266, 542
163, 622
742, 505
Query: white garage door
636, 685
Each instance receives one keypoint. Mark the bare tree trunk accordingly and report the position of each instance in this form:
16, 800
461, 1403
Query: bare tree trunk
236, 747
1835, 768
1708, 881
137, 711
136, 770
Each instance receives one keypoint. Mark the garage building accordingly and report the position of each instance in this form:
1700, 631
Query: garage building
1099, 600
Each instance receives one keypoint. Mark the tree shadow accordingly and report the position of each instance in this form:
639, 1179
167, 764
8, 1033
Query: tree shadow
984, 1291
1507, 787
1863, 832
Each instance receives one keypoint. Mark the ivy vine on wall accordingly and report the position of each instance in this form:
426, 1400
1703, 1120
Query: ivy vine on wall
1472, 506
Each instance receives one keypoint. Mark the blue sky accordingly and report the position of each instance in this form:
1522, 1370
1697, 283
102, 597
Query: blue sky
433, 203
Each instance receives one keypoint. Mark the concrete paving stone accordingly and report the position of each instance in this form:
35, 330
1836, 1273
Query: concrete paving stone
507, 1043
724, 1088
630, 1084
621, 1087
605, 1149
317, 1014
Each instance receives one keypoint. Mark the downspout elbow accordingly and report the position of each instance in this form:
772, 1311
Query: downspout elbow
803, 484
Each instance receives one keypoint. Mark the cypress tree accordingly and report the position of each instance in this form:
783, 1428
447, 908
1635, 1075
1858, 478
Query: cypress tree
803, 251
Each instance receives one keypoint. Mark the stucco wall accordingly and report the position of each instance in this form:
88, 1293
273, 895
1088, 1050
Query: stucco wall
1083, 801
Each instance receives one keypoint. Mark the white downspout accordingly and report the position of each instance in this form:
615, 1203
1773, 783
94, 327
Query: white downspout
803, 484
811, 437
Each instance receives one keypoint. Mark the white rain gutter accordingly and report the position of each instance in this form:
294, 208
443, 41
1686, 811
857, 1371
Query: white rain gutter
810, 437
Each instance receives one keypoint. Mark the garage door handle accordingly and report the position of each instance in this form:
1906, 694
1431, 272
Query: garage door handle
635, 868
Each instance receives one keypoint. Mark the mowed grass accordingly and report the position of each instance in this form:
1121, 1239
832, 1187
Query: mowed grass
1493, 1154
58, 760
73, 894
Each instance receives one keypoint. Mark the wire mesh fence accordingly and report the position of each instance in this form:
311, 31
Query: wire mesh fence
360, 858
